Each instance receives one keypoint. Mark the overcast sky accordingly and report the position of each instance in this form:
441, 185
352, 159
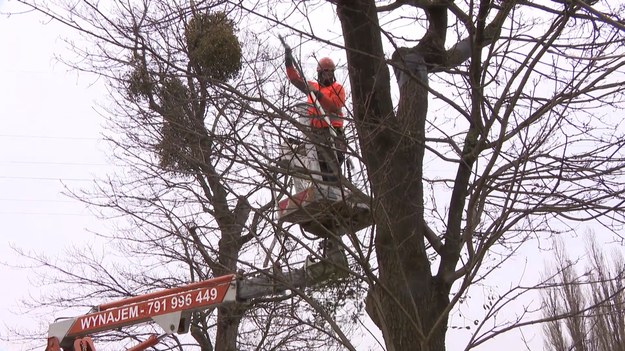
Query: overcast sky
50, 137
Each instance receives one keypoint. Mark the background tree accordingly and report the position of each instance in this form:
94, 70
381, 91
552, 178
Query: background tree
585, 310
503, 129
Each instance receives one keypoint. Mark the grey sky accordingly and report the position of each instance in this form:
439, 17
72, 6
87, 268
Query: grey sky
49, 136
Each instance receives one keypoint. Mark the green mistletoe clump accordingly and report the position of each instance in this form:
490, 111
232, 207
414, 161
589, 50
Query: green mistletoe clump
214, 49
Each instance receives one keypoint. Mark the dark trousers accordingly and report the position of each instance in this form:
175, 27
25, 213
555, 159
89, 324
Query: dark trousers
330, 152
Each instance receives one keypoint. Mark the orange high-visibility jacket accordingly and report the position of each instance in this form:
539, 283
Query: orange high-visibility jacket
331, 99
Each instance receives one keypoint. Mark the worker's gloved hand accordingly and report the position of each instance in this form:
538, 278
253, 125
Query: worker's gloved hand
314, 90
288, 56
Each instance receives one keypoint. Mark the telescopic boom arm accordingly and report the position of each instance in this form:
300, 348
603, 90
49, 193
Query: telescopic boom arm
169, 308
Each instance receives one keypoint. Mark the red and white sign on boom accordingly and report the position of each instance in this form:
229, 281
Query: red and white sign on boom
142, 308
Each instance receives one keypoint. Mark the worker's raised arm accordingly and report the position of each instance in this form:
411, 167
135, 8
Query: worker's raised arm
292, 73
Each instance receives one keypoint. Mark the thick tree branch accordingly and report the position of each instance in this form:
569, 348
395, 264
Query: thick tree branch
461, 51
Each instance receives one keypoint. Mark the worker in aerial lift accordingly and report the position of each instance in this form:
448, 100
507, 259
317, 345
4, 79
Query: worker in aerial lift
331, 97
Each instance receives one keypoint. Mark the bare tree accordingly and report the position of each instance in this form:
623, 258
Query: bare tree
503, 130
585, 310
188, 100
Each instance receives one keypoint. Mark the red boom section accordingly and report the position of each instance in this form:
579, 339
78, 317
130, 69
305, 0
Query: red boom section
226, 279
142, 308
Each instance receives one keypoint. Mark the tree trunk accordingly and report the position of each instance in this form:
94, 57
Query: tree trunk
408, 301
228, 320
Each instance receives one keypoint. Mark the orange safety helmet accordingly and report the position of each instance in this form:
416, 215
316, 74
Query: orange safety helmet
325, 64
